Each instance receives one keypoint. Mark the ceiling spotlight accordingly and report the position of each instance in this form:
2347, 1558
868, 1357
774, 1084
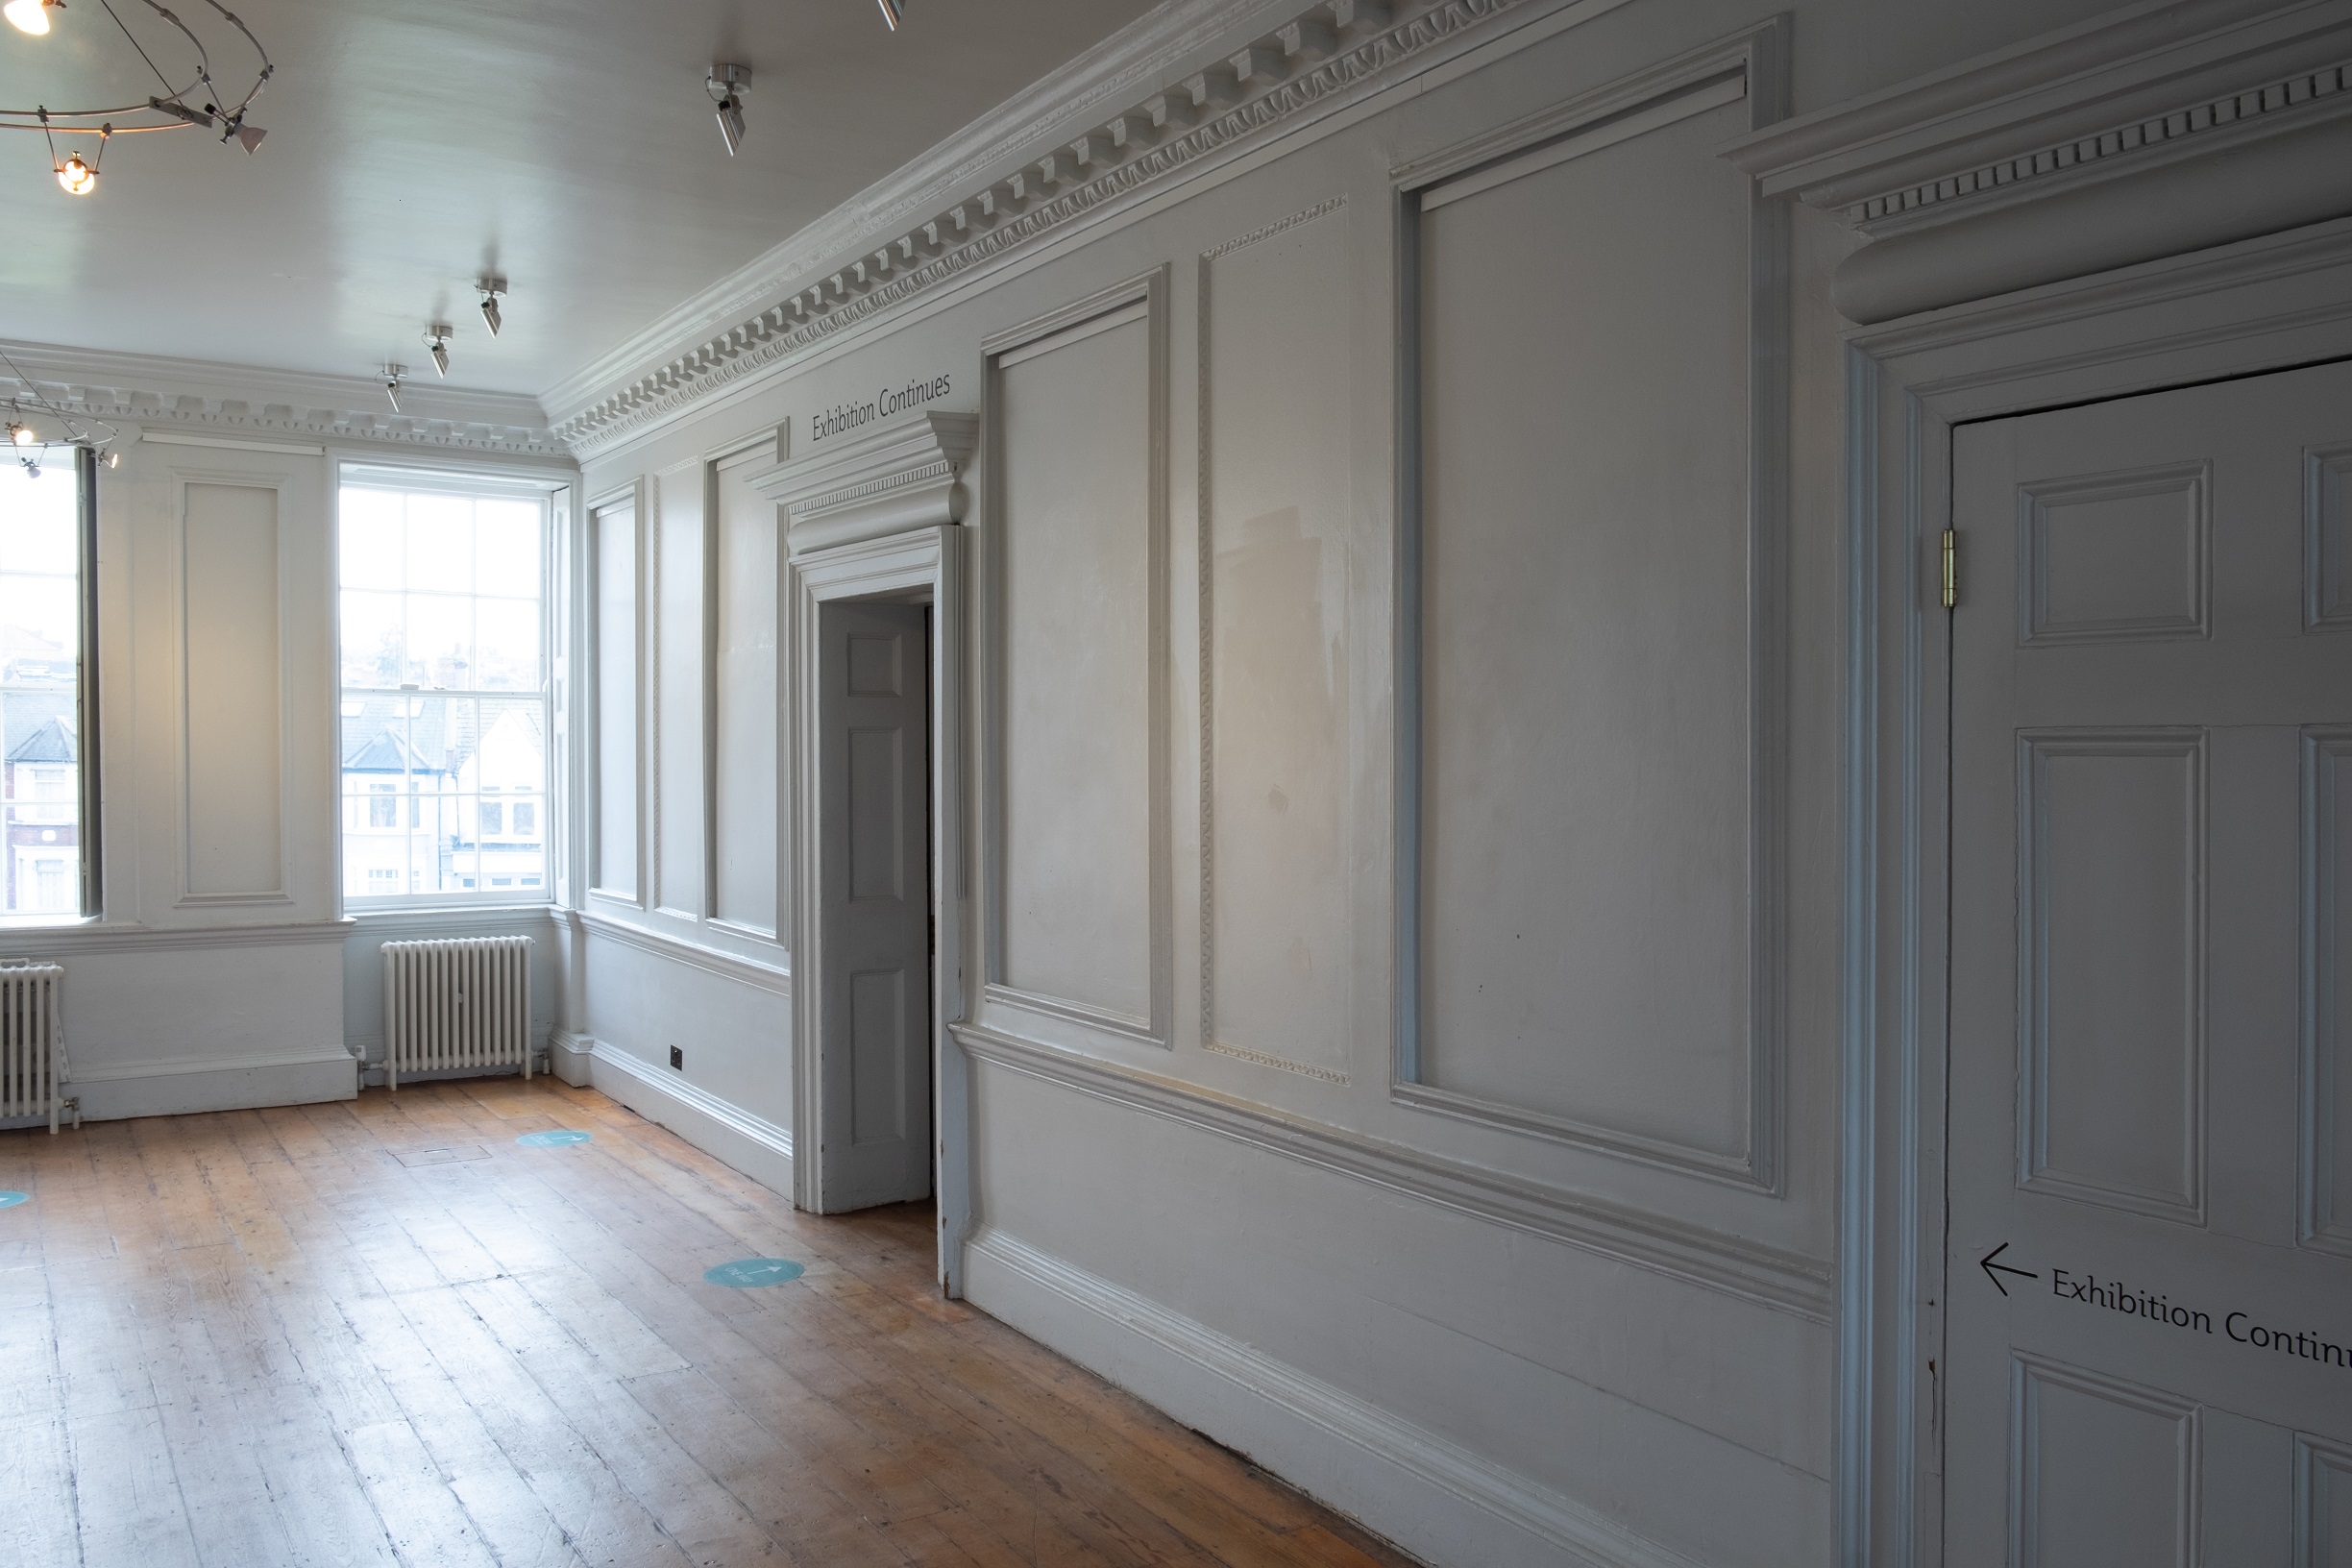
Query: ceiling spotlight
110, 457
76, 177
19, 434
726, 84
30, 16
436, 338
491, 288
392, 374
892, 14
247, 136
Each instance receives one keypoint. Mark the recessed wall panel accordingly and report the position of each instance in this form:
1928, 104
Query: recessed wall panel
679, 630
2112, 968
2116, 557
2327, 539
1586, 911
616, 699
1075, 742
1277, 498
746, 760
235, 716
2327, 1046
877, 1007
2101, 1471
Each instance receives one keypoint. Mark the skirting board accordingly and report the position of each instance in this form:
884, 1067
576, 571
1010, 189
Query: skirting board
750, 1143
177, 1089
1426, 1493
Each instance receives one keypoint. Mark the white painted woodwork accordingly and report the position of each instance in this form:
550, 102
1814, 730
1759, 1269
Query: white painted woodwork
874, 766
873, 484
1276, 525
234, 715
615, 694
2144, 962
679, 667
1586, 747
746, 762
1073, 557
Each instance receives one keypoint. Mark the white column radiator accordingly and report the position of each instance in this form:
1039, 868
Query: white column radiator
457, 1003
33, 1043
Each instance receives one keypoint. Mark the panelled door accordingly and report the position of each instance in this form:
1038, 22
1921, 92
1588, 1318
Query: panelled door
874, 896
2148, 1335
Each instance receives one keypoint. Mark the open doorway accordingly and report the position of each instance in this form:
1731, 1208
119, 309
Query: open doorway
873, 883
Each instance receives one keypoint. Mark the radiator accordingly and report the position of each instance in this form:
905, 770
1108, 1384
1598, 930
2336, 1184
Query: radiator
33, 1043
462, 1003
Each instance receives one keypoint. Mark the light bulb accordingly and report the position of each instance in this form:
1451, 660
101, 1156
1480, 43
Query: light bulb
21, 434
26, 15
76, 177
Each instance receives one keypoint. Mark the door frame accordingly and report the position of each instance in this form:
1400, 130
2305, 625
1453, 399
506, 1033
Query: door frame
2261, 304
917, 566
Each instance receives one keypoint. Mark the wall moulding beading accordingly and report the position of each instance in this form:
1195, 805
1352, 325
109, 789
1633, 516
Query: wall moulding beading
1782, 1281
1749, 68
1205, 546
1285, 79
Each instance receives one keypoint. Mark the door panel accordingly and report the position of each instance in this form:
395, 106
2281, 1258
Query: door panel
874, 1003
2148, 1336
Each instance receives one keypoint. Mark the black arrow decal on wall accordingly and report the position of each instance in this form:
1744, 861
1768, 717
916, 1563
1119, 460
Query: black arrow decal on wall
1987, 1264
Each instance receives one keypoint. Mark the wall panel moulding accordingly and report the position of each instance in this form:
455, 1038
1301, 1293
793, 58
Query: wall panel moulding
2145, 133
1267, 85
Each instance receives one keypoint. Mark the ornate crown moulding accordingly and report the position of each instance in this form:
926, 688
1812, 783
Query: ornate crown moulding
165, 410
1332, 47
2288, 104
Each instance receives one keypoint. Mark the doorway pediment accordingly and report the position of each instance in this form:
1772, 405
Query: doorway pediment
906, 475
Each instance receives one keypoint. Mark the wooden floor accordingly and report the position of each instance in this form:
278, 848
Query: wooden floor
383, 1332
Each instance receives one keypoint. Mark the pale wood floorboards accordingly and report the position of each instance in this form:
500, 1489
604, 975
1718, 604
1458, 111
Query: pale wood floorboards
263, 1338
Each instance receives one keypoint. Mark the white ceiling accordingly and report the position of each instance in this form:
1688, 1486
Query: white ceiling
415, 143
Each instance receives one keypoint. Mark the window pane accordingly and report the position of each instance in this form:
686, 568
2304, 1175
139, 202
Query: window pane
506, 645
442, 602
41, 633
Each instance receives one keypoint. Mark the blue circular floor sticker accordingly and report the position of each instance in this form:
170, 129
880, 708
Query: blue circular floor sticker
10, 1200
746, 1272
551, 1139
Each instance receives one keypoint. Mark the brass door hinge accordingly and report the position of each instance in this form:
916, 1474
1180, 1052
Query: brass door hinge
1950, 574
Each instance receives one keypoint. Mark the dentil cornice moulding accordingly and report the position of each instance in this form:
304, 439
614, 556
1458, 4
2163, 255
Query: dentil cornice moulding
2154, 130
1325, 52
902, 477
152, 393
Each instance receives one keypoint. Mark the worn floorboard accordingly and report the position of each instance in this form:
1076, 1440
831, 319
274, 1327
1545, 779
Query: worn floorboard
383, 1332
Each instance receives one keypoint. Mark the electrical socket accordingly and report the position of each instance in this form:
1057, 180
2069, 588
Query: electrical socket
677, 1059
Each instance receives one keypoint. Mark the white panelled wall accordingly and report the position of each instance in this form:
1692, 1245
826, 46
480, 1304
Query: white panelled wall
1396, 868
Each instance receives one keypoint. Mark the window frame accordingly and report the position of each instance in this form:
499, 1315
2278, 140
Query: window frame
547, 491
89, 900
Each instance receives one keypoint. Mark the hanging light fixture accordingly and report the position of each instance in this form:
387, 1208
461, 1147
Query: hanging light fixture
491, 288
436, 338
726, 84
21, 434
31, 15
176, 108
393, 375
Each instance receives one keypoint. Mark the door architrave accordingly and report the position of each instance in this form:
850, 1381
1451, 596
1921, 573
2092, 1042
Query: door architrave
921, 565
2257, 306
